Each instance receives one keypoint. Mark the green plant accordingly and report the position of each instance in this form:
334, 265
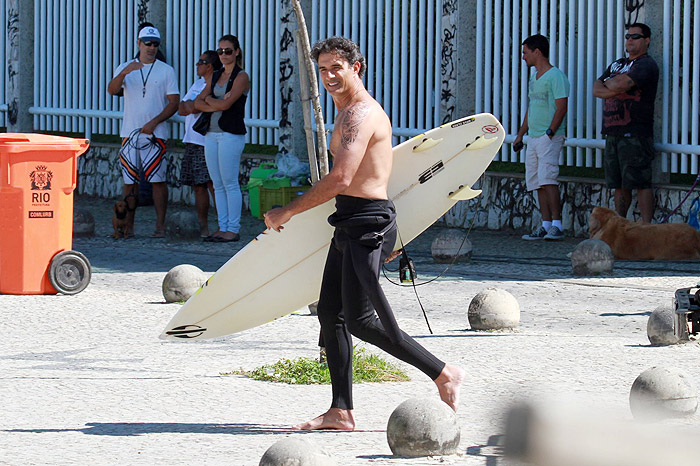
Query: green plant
366, 367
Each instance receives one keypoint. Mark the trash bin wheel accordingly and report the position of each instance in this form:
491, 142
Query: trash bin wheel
69, 272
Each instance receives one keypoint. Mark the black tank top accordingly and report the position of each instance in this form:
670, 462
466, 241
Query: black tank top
231, 119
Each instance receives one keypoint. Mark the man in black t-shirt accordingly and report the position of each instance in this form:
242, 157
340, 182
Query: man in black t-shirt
628, 86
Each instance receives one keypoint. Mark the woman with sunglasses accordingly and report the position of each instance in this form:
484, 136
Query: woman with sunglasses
194, 170
225, 95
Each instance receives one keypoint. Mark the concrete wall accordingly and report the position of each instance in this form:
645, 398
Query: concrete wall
99, 173
505, 204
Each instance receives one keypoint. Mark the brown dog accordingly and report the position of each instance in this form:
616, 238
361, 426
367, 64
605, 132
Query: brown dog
119, 220
642, 241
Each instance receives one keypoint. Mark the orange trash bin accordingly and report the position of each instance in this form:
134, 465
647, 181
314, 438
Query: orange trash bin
38, 174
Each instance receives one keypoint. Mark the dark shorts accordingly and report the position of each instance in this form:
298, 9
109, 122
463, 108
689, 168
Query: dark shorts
194, 166
628, 162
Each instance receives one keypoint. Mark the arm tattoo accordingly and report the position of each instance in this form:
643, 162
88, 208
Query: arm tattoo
350, 120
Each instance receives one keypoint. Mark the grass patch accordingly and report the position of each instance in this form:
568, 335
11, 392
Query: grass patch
516, 167
264, 149
683, 179
506, 167
366, 367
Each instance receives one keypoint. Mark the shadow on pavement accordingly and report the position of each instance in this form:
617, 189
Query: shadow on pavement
125, 429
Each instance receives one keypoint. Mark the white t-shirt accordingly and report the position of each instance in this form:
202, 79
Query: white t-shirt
139, 109
192, 136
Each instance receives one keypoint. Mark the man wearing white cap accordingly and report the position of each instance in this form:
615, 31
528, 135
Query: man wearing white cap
151, 96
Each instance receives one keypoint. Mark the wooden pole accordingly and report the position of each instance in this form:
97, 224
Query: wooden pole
304, 49
306, 110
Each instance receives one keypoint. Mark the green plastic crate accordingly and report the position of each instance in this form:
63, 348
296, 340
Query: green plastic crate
257, 177
278, 197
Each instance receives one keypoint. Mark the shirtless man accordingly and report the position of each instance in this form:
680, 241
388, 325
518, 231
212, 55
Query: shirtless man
365, 234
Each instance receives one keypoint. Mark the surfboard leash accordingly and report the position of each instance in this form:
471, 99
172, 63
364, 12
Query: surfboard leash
406, 258
409, 264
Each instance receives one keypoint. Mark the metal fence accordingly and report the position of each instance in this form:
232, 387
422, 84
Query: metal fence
80, 43
195, 26
585, 36
681, 85
401, 41
87, 39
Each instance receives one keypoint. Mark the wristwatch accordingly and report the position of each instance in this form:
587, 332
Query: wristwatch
549, 132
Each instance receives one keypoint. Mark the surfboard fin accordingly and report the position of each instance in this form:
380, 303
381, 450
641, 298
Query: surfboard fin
425, 144
464, 193
480, 142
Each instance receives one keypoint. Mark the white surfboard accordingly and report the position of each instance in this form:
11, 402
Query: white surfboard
280, 272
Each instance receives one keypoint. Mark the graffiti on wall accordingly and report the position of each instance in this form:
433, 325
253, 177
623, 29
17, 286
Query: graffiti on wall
287, 60
448, 70
633, 8
142, 11
13, 60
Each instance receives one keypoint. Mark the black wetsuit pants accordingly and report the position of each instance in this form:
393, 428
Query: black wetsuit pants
365, 235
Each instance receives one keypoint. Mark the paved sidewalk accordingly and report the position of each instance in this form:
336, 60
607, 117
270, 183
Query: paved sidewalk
85, 380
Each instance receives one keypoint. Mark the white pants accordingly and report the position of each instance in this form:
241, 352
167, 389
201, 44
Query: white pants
223, 154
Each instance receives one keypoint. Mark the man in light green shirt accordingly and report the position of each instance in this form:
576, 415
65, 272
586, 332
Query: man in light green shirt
545, 126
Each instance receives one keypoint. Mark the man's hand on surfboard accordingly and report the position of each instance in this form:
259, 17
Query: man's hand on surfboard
392, 256
275, 218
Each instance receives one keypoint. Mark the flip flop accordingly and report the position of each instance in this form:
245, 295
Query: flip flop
219, 239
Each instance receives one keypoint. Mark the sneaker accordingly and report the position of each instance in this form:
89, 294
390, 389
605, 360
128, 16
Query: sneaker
536, 234
554, 234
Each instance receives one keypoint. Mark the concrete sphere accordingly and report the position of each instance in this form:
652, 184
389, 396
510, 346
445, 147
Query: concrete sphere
660, 326
83, 223
661, 393
451, 245
181, 282
296, 452
423, 427
592, 257
494, 309
183, 225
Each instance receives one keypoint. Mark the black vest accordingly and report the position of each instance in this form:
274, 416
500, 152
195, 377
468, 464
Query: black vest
231, 119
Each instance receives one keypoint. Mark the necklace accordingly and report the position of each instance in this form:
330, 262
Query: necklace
144, 81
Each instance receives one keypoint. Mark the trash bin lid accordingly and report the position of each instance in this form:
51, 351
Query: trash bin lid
23, 142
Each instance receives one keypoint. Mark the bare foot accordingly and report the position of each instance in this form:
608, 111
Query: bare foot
334, 418
449, 383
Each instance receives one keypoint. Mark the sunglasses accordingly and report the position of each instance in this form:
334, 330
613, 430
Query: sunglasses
224, 51
202, 62
151, 44
634, 36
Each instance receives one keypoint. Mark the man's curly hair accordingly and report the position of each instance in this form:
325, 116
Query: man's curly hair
347, 49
